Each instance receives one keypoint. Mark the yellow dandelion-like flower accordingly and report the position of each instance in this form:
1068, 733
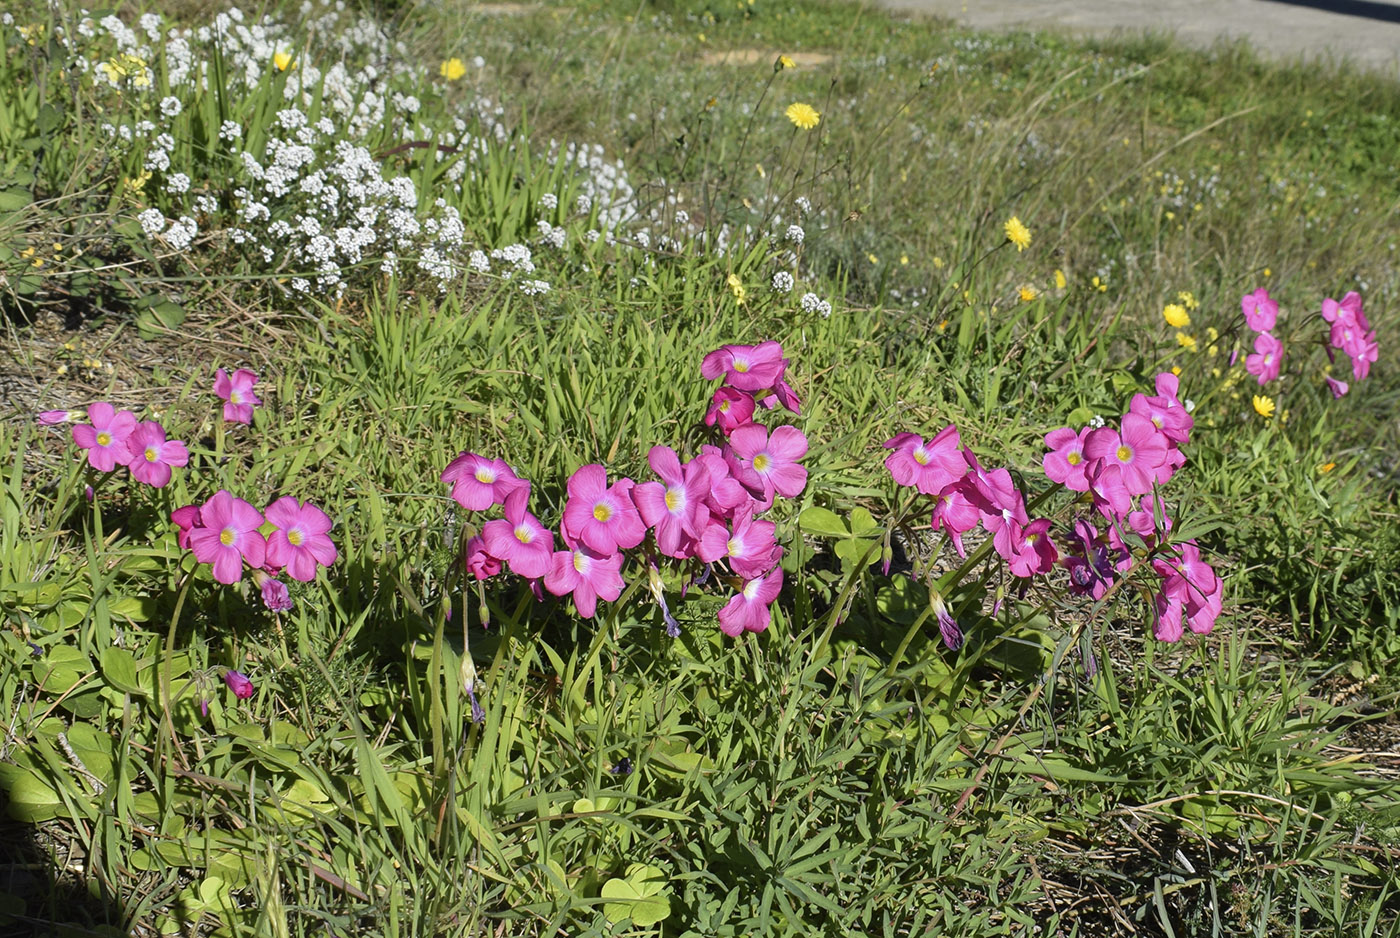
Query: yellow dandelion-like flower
1186, 341
1017, 233
1326, 467
1176, 370
1188, 299
452, 69
1028, 292
802, 115
1268, 272
937, 262
904, 260
872, 258
1100, 285
282, 60
782, 63
1060, 281
1176, 315
1263, 406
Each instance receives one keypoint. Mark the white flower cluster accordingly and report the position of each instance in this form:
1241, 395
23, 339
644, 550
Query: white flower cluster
811, 303
782, 282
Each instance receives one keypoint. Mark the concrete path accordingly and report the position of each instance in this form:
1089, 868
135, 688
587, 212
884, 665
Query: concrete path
1366, 31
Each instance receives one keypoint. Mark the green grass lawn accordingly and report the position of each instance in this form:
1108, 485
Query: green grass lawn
517, 231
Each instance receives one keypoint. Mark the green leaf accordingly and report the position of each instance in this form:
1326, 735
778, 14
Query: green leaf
31, 798
638, 897
119, 670
821, 522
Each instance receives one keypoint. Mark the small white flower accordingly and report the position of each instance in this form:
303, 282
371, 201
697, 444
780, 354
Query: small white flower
533, 287
795, 234
152, 222
177, 183
171, 106
549, 201
811, 303
782, 281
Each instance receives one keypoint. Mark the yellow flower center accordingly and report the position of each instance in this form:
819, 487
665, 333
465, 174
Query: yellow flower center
104, 438
295, 538
152, 454
235, 397
580, 561
724, 407
1074, 459
524, 535
733, 547
921, 456
741, 366
1125, 453
485, 475
602, 512
761, 462
227, 536
674, 499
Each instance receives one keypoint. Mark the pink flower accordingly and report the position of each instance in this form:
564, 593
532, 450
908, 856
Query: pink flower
1338, 388
748, 609
746, 367
955, 513
1260, 312
275, 596
1267, 358
300, 541
765, 464
1166, 412
1186, 576
726, 495
928, 468
150, 455
603, 517
186, 520
1364, 353
1146, 522
479, 482
948, 627
729, 408
479, 561
1138, 451
587, 574
675, 506
1168, 625
238, 683
237, 393
1032, 553
227, 535
49, 418
1111, 496
519, 539
1347, 312
752, 549
785, 395
1066, 463
105, 436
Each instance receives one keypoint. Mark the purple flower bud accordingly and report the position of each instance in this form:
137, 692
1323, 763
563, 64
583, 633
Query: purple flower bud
275, 595
238, 683
950, 630
478, 714
89, 494
51, 417
203, 707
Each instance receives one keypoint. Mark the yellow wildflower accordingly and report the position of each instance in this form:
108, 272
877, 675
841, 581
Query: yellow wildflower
937, 262
803, 115
1017, 233
452, 69
1100, 285
1263, 406
283, 60
1028, 292
872, 258
1060, 280
1326, 467
1186, 341
736, 286
782, 63
1176, 315
1188, 299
